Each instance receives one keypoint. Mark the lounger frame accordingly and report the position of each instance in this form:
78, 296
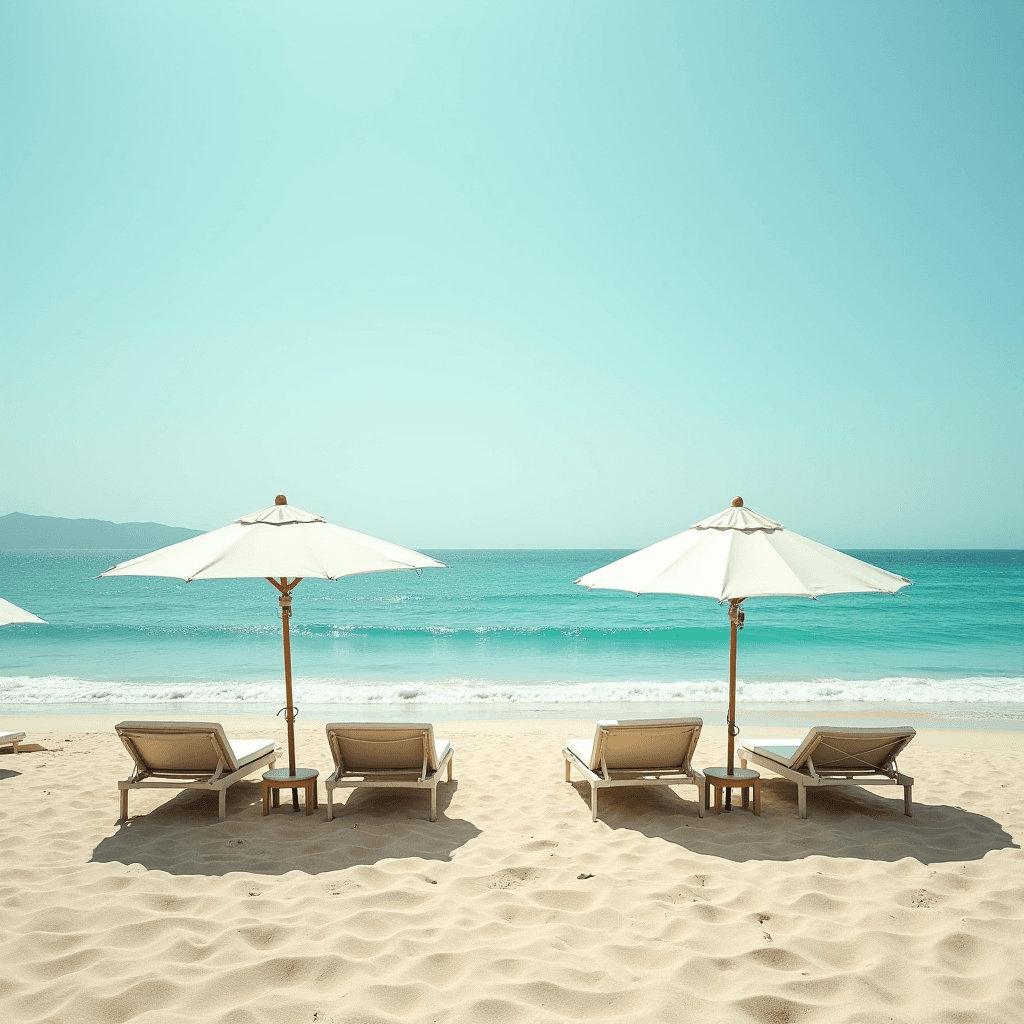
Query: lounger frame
227, 772
426, 776
612, 776
884, 746
11, 739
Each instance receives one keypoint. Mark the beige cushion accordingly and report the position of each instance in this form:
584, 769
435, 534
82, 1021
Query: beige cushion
781, 750
582, 749
250, 750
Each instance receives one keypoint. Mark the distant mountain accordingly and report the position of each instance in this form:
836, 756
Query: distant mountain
19, 531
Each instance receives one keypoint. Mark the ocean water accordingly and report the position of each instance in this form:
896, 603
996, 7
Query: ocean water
501, 629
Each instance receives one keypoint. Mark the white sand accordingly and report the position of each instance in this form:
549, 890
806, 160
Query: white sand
857, 914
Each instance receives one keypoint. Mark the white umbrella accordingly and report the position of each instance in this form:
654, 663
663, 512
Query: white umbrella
275, 543
11, 613
735, 555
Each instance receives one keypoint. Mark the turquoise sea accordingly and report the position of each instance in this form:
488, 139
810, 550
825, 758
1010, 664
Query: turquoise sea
501, 630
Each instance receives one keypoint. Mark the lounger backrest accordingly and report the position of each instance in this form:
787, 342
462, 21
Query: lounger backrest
161, 747
836, 750
646, 743
362, 746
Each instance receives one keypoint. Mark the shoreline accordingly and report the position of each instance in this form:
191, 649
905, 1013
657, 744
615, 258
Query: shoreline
751, 715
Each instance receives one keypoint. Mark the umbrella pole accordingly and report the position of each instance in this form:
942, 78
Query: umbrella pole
285, 601
735, 625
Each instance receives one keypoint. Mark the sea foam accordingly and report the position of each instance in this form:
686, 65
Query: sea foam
459, 691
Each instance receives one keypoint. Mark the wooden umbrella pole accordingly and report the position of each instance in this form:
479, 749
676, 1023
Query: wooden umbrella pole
735, 625
285, 601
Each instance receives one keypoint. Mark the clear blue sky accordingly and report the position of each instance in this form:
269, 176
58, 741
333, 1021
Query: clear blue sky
517, 274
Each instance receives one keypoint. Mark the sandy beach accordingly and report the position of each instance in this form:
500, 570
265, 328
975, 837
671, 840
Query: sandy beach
513, 906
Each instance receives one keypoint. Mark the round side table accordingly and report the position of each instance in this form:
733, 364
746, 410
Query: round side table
279, 778
744, 779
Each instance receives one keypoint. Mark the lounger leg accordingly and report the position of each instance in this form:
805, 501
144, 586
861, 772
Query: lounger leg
593, 802
330, 804
906, 801
701, 797
451, 761
433, 801
124, 805
16, 744
222, 804
801, 800
743, 762
567, 776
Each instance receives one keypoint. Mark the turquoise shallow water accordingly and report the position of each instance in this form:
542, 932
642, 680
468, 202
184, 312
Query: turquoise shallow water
506, 627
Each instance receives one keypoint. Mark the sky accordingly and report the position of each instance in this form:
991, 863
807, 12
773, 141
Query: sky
516, 274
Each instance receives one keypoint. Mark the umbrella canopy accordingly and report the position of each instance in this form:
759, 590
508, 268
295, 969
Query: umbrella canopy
11, 613
738, 554
276, 543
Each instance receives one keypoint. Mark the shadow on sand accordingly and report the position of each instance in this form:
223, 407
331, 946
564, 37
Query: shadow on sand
184, 837
840, 823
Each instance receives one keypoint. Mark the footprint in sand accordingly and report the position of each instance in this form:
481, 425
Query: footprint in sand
511, 878
341, 887
919, 899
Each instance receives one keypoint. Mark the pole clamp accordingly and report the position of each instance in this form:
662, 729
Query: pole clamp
736, 614
285, 601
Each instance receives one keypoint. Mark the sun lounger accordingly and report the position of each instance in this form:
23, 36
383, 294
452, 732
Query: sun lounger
11, 739
654, 752
386, 756
189, 755
829, 756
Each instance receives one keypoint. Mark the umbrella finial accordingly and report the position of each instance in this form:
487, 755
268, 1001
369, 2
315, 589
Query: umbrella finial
282, 500
737, 502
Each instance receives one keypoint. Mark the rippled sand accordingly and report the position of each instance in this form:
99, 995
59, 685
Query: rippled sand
513, 906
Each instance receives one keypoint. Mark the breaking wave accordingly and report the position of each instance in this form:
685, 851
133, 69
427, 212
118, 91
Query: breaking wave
45, 690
